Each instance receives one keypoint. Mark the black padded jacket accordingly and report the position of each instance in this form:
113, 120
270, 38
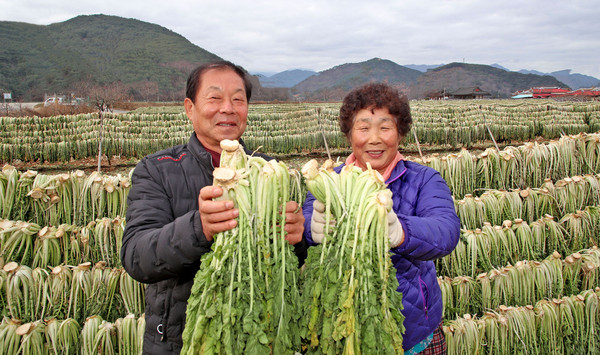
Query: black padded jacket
163, 239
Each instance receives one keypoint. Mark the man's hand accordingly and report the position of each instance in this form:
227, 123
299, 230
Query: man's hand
216, 216
294, 222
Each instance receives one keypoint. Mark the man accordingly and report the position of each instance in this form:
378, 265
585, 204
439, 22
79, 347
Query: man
171, 216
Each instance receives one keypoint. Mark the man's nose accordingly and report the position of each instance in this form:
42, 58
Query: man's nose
226, 106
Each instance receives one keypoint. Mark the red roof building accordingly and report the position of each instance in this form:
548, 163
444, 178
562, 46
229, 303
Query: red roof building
546, 92
556, 92
590, 92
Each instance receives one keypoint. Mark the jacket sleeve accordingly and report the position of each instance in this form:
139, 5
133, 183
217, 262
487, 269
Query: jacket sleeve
434, 230
301, 251
157, 246
307, 210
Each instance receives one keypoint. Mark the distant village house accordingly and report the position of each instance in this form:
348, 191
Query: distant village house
465, 93
470, 93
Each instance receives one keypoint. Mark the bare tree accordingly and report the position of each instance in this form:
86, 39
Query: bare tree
103, 99
147, 89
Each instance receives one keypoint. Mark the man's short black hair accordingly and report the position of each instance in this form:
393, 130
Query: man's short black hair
195, 78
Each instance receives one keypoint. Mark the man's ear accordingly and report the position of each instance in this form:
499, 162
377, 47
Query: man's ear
189, 105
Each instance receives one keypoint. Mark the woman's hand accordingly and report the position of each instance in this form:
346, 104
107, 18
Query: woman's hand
317, 222
395, 230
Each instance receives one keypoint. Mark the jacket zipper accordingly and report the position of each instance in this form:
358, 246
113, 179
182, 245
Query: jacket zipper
165, 318
421, 284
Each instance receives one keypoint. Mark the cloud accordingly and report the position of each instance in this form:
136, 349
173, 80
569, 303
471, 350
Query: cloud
278, 35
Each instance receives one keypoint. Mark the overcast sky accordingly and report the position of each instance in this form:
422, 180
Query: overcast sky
273, 36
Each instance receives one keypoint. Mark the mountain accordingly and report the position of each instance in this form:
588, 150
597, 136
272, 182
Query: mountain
335, 83
263, 74
496, 65
150, 62
499, 82
573, 81
423, 67
285, 79
524, 71
102, 49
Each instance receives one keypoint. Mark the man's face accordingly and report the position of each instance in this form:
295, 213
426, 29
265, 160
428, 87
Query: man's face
220, 109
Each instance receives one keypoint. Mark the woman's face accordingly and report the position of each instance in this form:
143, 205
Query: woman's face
374, 138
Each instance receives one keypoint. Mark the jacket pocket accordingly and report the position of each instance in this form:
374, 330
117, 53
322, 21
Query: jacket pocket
424, 296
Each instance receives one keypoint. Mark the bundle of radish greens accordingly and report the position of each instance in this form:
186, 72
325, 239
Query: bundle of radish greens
349, 287
245, 296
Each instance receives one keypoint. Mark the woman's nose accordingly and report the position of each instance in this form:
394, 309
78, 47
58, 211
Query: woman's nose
374, 137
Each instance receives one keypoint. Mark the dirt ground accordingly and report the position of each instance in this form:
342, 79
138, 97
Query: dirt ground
27, 109
119, 165
116, 165
17, 106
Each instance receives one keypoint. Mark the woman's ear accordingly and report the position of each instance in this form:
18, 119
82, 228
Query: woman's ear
400, 138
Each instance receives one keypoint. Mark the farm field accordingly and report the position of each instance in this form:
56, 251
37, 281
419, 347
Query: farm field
288, 130
524, 278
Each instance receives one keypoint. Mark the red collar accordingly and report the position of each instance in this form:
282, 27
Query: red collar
216, 157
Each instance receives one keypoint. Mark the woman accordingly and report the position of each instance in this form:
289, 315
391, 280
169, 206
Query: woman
423, 223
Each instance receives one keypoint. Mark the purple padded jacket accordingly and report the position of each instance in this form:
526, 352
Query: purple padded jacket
423, 203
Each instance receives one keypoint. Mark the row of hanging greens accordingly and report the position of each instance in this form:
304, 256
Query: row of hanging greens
560, 198
69, 337
289, 128
522, 283
76, 198
557, 326
71, 198
49, 246
494, 246
76, 292
527, 165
